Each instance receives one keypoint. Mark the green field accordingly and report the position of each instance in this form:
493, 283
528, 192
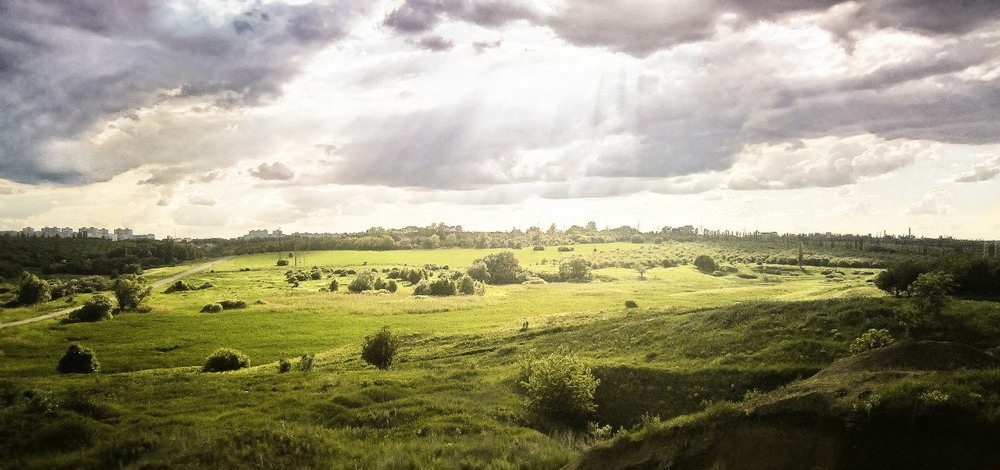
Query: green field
452, 398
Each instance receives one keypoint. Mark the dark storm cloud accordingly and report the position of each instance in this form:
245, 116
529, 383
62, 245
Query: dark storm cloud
420, 16
435, 43
69, 65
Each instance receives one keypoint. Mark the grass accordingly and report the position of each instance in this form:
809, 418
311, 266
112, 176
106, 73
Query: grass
451, 398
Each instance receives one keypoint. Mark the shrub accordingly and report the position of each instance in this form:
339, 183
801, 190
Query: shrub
211, 308
334, 285
306, 362
96, 309
379, 284
930, 292
363, 282
232, 304
466, 286
705, 264
871, 339
225, 359
207, 285
78, 360
316, 274
32, 290
503, 268
284, 365
538, 248
179, 286
422, 288
443, 287
565, 249
560, 389
479, 272
391, 286
631, 304
282, 262
574, 270
380, 349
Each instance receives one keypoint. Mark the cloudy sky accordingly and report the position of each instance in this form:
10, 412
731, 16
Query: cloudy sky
212, 117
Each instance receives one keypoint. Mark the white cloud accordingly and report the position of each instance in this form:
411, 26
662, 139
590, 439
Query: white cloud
983, 171
931, 204
273, 171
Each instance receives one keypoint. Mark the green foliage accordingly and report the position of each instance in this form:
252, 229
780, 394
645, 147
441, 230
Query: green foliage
232, 304
179, 286
225, 359
871, 339
282, 262
334, 285
380, 349
130, 290
897, 278
929, 294
466, 285
479, 272
32, 290
211, 308
78, 360
306, 362
631, 304
706, 264
560, 388
391, 286
503, 268
96, 309
284, 365
574, 269
364, 281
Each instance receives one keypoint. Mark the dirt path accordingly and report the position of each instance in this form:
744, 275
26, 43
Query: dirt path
160, 283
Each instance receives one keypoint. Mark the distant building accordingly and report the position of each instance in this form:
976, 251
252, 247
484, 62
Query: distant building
262, 234
94, 232
123, 234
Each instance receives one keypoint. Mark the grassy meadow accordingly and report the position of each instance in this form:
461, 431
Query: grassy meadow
452, 398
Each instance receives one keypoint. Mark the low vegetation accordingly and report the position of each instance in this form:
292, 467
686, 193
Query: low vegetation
225, 359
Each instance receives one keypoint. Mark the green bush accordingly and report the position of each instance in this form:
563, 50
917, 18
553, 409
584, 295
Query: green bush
706, 264
391, 286
284, 365
78, 360
232, 304
306, 362
380, 349
225, 359
575, 269
334, 285
560, 389
364, 281
32, 290
130, 290
631, 304
871, 339
211, 308
179, 286
282, 262
96, 309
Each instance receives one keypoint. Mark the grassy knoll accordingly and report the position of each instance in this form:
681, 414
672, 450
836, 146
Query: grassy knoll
452, 398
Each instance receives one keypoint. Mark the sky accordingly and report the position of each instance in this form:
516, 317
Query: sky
206, 118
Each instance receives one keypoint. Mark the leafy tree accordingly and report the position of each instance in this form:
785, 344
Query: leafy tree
466, 285
32, 290
224, 359
641, 269
897, 278
479, 271
503, 268
574, 269
380, 349
78, 360
96, 309
706, 264
561, 389
130, 290
929, 294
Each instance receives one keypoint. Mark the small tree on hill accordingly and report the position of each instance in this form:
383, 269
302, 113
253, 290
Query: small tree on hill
32, 290
575, 269
130, 290
380, 349
78, 360
561, 389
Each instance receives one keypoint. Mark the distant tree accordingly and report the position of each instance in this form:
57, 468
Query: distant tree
706, 264
574, 269
503, 268
379, 349
466, 285
78, 360
130, 290
641, 269
32, 290
929, 294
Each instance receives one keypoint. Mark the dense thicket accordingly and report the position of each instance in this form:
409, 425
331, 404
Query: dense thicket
972, 275
89, 255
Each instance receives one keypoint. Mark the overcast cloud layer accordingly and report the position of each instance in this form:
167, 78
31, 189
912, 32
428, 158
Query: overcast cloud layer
479, 105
